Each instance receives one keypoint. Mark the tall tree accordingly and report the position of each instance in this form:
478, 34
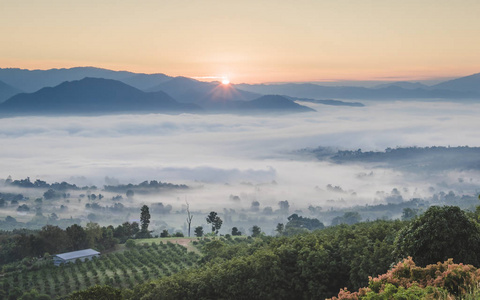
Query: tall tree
144, 221
189, 218
199, 231
54, 237
235, 231
256, 231
77, 237
94, 233
215, 220
280, 228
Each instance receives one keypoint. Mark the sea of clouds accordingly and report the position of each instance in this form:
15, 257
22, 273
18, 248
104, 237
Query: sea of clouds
222, 155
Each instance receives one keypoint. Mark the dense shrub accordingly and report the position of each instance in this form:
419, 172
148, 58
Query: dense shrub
130, 243
445, 280
439, 234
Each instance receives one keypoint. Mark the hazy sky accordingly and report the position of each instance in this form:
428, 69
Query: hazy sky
247, 41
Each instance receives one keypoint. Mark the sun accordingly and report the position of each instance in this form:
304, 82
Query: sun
225, 81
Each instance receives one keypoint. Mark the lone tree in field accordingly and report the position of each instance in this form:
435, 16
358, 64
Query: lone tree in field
439, 234
215, 220
144, 221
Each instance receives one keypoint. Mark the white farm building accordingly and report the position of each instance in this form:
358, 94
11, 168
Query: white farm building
73, 256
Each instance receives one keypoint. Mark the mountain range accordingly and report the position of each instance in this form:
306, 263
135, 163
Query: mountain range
96, 90
93, 95
104, 96
457, 90
30, 81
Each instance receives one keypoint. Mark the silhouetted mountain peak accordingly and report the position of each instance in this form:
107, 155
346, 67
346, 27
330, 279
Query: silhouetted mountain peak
93, 95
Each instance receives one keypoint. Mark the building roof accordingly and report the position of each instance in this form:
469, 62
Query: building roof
77, 254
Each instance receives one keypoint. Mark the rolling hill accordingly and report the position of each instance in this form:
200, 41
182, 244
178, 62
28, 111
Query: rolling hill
93, 95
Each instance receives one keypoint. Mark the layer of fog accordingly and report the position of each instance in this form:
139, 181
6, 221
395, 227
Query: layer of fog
250, 157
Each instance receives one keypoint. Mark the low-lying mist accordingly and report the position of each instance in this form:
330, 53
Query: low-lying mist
255, 158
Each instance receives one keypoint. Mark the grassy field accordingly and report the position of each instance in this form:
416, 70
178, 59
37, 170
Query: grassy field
148, 260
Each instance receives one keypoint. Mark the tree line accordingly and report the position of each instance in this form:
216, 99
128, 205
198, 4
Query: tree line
316, 265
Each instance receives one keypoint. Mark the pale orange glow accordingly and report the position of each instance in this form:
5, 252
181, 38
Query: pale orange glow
225, 81
257, 41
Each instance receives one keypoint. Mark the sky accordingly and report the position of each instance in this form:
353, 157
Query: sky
247, 41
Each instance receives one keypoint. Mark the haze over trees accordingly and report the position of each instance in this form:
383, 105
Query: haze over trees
413, 159
309, 259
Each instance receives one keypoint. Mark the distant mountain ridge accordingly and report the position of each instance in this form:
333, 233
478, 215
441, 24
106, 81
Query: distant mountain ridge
404, 85
105, 96
93, 95
309, 90
32, 80
154, 91
7, 91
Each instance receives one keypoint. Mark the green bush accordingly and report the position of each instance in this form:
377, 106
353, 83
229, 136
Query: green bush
439, 234
130, 244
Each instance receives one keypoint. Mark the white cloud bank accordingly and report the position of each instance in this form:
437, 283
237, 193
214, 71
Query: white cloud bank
219, 149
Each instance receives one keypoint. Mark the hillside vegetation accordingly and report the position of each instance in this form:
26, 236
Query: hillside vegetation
422, 258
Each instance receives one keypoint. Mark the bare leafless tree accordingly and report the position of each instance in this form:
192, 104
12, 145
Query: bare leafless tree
189, 217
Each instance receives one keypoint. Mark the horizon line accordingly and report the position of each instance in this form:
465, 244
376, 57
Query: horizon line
385, 79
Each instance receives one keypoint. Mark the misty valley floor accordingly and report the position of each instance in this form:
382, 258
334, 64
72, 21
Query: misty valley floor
252, 157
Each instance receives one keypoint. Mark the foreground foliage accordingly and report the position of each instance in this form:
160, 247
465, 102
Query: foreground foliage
439, 234
445, 280
316, 265
308, 266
